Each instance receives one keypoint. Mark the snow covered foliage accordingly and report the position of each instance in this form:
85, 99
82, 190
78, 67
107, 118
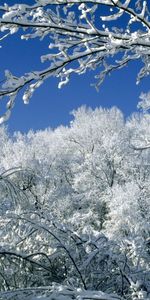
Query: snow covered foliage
82, 36
74, 211
57, 292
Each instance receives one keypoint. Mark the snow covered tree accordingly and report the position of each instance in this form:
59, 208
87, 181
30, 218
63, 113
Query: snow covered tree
74, 210
84, 35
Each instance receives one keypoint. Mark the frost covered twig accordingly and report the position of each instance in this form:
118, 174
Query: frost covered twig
81, 38
57, 292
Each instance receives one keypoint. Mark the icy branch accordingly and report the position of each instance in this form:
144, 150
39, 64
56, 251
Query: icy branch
80, 39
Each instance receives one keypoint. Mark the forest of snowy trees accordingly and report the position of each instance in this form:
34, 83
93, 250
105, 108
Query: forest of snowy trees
74, 209
75, 201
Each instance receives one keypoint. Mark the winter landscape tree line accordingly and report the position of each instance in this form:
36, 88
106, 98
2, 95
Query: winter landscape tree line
74, 210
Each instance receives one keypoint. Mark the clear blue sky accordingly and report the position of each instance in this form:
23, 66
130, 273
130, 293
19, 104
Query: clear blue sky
50, 107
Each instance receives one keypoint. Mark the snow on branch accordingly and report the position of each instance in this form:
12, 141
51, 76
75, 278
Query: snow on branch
81, 38
57, 292
144, 104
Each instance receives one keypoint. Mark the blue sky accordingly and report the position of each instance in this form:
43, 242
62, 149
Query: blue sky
51, 107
